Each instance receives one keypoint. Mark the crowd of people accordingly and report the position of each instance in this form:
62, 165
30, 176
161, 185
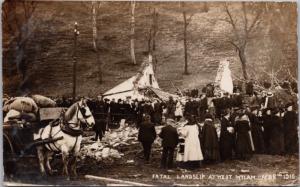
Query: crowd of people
210, 127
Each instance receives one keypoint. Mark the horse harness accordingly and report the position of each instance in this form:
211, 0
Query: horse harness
64, 127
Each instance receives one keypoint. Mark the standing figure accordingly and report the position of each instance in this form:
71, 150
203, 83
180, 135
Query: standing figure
101, 114
170, 140
276, 134
256, 131
146, 136
157, 112
192, 148
210, 140
178, 111
243, 142
290, 125
170, 105
227, 137
267, 126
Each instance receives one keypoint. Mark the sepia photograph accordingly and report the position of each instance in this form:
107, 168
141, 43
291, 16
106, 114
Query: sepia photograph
150, 93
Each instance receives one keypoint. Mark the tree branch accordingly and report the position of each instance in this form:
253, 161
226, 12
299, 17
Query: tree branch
231, 21
255, 22
245, 19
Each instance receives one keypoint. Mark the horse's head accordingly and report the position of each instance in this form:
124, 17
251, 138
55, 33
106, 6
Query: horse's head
85, 114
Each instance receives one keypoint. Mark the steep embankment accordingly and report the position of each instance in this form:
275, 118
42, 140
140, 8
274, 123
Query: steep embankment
51, 47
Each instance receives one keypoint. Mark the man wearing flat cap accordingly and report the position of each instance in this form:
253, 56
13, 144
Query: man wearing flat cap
170, 140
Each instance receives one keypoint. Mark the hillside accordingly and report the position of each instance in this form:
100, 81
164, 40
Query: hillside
50, 47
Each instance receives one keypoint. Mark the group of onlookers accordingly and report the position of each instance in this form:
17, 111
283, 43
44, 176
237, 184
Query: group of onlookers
242, 133
208, 126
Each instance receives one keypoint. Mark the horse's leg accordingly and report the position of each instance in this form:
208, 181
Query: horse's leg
41, 159
73, 163
48, 158
65, 159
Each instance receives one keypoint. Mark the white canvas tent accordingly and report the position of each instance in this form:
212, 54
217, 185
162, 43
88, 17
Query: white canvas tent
133, 86
223, 79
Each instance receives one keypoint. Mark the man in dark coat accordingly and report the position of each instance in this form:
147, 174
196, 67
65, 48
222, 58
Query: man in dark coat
203, 107
210, 90
290, 125
171, 106
170, 140
227, 137
113, 110
100, 114
249, 88
157, 112
194, 92
146, 136
188, 108
218, 103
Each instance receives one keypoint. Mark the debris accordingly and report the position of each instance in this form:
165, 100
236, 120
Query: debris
110, 147
245, 170
130, 161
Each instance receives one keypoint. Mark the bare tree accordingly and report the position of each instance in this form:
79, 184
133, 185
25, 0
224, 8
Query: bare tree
242, 29
132, 34
18, 28
186, 22
95, 8
152, 36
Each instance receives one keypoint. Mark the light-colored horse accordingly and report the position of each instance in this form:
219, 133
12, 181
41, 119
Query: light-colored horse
69, 132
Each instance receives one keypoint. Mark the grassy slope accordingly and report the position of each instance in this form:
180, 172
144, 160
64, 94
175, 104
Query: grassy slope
52, 44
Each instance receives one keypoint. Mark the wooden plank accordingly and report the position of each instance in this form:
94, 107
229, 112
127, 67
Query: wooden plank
115, 180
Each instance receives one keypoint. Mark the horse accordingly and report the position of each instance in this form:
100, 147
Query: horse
68, 132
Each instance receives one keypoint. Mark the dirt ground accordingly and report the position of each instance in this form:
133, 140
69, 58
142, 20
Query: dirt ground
260, 170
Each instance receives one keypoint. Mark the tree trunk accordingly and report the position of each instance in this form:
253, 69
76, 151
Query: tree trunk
243, 62
95, 39
94, 22
132, 35
185, 44
74, 64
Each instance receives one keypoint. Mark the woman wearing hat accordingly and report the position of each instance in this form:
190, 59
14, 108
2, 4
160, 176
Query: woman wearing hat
227, 137
267, 126
290, 124
256, 130
276, 134
244, 144
210, 140
192, 149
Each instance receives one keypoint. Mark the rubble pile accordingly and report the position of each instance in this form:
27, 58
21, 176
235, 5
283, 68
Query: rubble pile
111, 144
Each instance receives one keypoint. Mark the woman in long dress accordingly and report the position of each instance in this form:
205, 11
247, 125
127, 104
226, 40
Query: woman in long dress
276, 134
244, 144
192, 149
210, 141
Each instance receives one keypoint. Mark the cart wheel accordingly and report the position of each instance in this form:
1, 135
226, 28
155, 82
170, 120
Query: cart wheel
9, 161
